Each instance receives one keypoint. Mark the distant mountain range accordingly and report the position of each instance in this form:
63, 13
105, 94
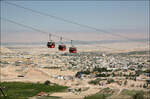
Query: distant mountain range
77, 42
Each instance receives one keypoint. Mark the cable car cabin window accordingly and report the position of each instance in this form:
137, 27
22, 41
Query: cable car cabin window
72, 50
62, 47
51, 44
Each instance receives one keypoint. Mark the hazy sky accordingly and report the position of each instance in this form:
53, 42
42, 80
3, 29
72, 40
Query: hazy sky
123, 17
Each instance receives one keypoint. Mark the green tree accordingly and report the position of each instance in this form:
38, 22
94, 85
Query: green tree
47, 82
144, 86
125, 82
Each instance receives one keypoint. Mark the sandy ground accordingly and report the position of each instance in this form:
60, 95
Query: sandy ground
70, 95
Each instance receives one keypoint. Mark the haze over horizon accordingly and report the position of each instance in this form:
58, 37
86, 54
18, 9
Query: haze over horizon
127, 18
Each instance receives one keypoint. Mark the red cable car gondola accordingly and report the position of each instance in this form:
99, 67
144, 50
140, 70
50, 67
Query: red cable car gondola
61, 47
72, 49
50, 44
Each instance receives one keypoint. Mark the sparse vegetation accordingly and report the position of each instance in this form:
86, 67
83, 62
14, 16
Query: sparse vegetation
96, 96
107, 91
125, 82
110, 81
138, 95
101, 70
130, 92
102, 75
95, 82
3, 62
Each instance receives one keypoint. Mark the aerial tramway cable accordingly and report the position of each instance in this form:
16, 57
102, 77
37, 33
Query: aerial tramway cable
43, 32
35, 29
72, 22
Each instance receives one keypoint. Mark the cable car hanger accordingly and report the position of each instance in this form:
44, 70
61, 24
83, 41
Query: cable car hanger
50, 37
